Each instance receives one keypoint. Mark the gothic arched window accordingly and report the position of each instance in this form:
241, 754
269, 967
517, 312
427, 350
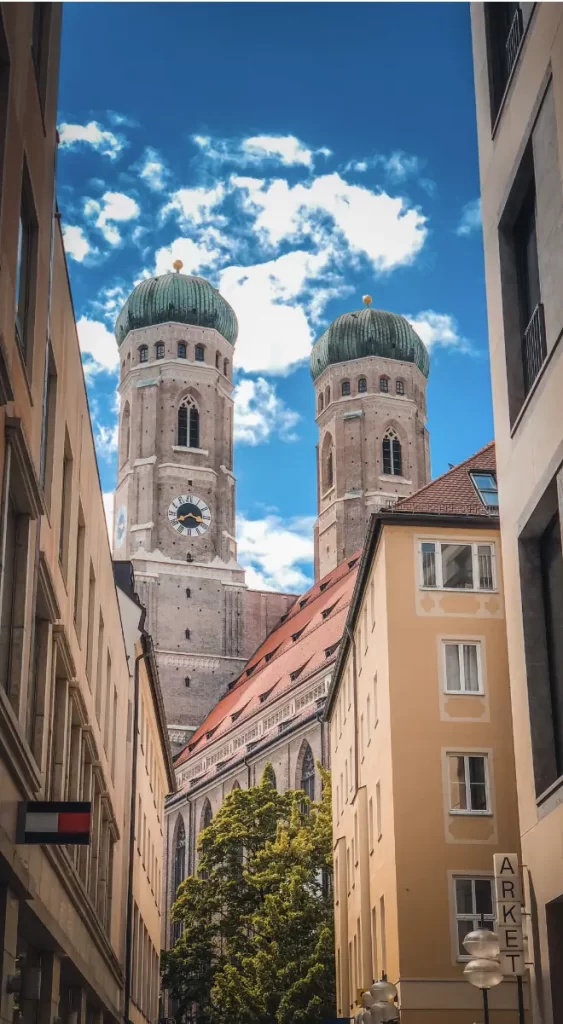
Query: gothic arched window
327, 464
320, 402
188, 424
307, 783
226, 367
400, 387
345, 387
392, 455
384, 384
125, 434
179, 857
159, 350
206, 815
199, 354
217, 360
181, 350
362, 385
144, 354
327, 395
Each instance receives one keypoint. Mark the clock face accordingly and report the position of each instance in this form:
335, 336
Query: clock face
120, 526
189, 515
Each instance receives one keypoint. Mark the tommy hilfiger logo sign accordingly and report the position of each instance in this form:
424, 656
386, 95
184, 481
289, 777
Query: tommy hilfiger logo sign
55, 822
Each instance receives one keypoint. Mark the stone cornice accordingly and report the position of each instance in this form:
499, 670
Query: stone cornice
33, 492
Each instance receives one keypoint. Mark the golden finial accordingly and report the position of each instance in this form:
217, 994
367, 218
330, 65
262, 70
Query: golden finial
367, 300
177, 265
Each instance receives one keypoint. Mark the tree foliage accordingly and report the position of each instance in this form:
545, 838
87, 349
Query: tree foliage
257, 944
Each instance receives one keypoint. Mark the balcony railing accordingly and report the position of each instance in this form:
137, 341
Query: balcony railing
513, 40
534, 348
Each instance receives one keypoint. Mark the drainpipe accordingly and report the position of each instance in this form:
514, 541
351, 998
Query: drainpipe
355, 689
132, 822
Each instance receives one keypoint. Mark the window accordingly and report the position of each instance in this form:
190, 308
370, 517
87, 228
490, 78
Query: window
467, 774
362, 737
159, 350
504, 27
26, 269
66, 506
199, 354
48, 424
375, 704
370, 823
125, 434
91, 618
486, 484
181, 350
400, 387
307, 783
226, 367
532, 327
462, 667
362, 386
188, 424
143, 354
378, 810
320, 403
345, 387
449, 566
392, 456
327, 395
384, 385
40, 46
368, 717
473, 897
327, 465
79, 573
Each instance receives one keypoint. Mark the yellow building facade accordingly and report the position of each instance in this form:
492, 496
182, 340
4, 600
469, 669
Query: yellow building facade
421, 753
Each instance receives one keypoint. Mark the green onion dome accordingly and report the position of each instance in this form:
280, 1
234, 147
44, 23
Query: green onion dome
177, 298
368, 332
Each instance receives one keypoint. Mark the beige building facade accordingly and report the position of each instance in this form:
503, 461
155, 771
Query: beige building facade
518, 62
421, 752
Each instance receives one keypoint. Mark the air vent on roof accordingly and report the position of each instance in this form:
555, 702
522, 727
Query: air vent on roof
330, 650
352, 563
250, 670
236, 714
270, 654
326, 612
295, 636
284, 617
296, 673
303, 602
264, 696
323, 586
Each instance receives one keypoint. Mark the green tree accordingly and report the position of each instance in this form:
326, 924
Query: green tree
257, 943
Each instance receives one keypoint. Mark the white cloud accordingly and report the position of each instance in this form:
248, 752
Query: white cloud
397, 166
274, 332
91, 134
470, 220
99, 345
257, 149
438, 329
193, 255
259, 413
76, 243
276, 553
194, 205
377, 225
114, 208
153, 170
105, 440
108, 509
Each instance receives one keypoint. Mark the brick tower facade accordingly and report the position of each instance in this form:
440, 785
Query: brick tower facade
373, 442
174, 513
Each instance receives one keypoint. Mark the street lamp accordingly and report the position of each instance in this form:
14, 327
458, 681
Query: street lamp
483, 970
379, 1003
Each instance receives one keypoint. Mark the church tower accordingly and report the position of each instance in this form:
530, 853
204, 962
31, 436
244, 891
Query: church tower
174, 509
370, 373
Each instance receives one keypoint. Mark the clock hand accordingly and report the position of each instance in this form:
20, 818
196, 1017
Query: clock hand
190, 515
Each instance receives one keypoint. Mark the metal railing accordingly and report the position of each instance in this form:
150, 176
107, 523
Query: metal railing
534, 347
513, 40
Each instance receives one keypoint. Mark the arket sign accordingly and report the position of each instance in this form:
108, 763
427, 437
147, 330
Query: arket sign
508, 898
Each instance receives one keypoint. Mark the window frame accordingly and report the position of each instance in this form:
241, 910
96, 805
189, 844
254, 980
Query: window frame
182, 354
345, 388
463, 691
199, 348
25, 281
481, 491
475, 545
460, 916
159, 350
143, 353
400, 387
469, 812
362, 385
384, 385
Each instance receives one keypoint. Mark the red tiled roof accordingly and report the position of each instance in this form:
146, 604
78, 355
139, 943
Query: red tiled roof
270, 669
454, 492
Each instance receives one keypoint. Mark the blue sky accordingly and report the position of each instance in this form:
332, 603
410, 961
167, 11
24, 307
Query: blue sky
298, 156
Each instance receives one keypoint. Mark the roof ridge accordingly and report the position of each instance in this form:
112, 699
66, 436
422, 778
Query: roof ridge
459, 465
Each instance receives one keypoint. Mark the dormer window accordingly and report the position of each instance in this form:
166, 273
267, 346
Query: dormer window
295, 636
486, 485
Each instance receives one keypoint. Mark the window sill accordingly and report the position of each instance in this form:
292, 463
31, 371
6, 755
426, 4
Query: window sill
189, 451
471, 814
325, 494
529, 397
459, 590
464, 693
553, 788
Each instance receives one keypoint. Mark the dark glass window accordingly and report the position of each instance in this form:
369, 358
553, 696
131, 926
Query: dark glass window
226, 367
188, 425
308, 773
183, 426
329, 470
194, 427
526, 251
199, 353
384, 384
552, 579
486, 484
345, 387
26, 270
160, 350
320, 403
143, 354
504, 34
362, 385
181, 350
392, 455
40, 46
217, 360
400, 387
